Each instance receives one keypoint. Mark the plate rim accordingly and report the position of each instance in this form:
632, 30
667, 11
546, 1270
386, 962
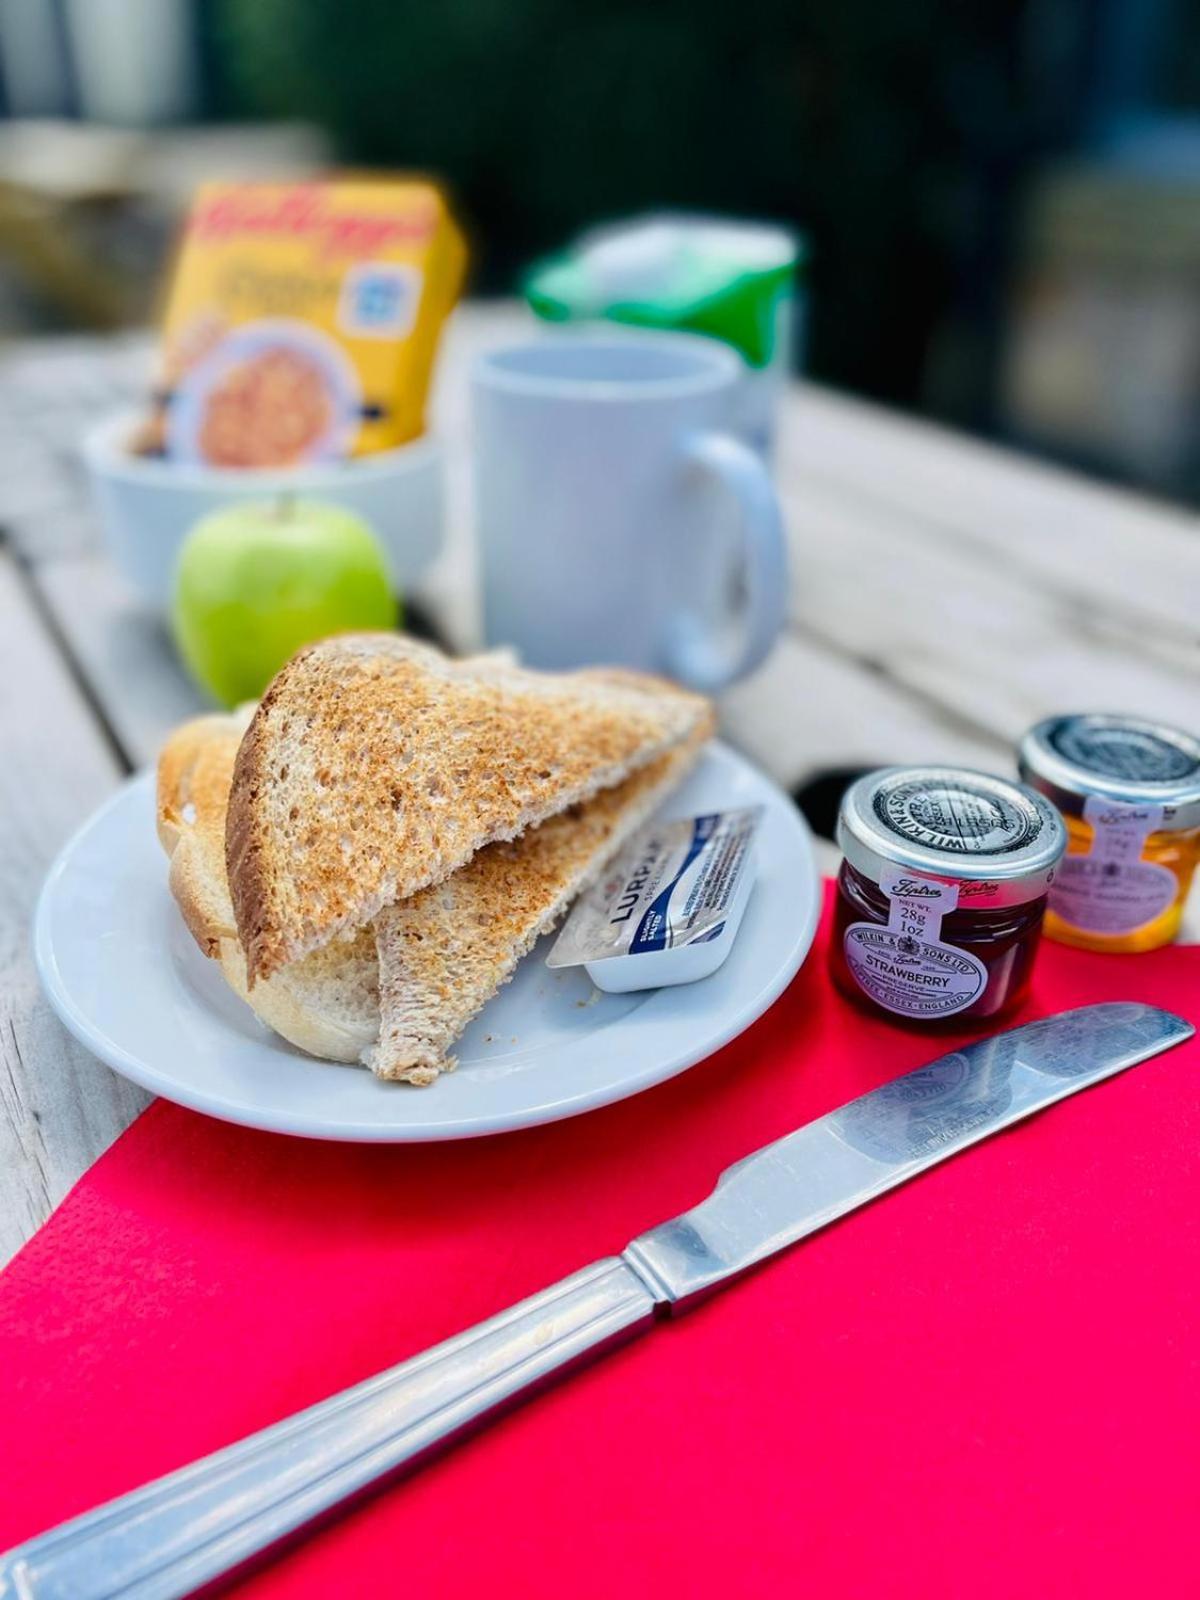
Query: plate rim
354, 1131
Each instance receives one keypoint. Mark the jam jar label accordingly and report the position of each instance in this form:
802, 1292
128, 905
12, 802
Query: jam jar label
1111, 890
904, 965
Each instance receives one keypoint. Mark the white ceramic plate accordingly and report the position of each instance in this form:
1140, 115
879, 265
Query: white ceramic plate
124, 975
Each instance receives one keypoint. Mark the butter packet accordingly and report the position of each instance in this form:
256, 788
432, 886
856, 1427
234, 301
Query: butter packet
669, 909
303, 319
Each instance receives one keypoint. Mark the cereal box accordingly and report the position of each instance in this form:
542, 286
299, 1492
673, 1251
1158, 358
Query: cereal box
303, 319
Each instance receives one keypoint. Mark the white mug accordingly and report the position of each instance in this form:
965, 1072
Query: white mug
619, 518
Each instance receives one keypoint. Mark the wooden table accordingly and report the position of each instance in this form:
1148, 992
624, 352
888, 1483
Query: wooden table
945, 595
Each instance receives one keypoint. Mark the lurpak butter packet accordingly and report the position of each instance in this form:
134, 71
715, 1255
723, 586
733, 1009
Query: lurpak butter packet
669, 909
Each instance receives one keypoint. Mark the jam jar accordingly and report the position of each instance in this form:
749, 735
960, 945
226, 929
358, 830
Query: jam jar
1129, 791
941, 893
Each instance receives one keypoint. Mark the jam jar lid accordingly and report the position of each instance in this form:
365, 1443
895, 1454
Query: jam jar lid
953, 823
1132, 759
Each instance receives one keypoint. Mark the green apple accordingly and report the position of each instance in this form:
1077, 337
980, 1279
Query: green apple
255, 582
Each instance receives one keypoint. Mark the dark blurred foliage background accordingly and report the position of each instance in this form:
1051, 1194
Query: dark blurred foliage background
896, 134
1002, 197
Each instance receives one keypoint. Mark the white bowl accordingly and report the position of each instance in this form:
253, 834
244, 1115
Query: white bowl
147, 506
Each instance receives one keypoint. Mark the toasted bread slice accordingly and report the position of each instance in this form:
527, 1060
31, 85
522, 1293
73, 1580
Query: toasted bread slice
376, 766
444, 952
328, 1003
195, 768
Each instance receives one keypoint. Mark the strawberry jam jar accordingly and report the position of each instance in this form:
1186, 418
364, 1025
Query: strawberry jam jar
941, 893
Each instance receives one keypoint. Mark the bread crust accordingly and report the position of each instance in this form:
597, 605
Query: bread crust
244, 866
194, 772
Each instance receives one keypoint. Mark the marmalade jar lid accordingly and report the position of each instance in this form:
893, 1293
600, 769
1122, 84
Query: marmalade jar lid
1130, 759
953, 823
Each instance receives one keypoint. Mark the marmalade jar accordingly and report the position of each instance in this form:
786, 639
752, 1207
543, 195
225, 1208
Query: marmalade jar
1129, 791
941, 893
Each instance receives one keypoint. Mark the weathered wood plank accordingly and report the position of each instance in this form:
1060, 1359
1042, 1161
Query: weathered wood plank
51, 392
966, 633
59, 1108
123, 652
1133, 557
808, 708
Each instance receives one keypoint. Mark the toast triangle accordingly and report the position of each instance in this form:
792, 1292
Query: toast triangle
448, 949
376, 766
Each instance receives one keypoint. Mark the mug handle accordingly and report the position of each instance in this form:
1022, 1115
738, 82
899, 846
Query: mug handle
695, 652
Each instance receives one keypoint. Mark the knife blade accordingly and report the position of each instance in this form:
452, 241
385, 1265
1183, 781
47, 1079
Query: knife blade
185, 1530
784, 1192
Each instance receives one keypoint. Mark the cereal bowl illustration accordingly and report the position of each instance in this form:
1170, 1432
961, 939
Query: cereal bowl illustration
272, 394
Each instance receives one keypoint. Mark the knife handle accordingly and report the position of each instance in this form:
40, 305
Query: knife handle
167, 1539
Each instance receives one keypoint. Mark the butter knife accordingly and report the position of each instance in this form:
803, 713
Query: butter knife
187, 1529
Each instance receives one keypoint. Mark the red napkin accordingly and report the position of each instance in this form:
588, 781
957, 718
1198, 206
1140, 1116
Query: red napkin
987, 1383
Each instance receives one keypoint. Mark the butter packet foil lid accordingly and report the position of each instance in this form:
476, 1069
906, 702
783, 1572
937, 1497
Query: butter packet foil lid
675, 884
